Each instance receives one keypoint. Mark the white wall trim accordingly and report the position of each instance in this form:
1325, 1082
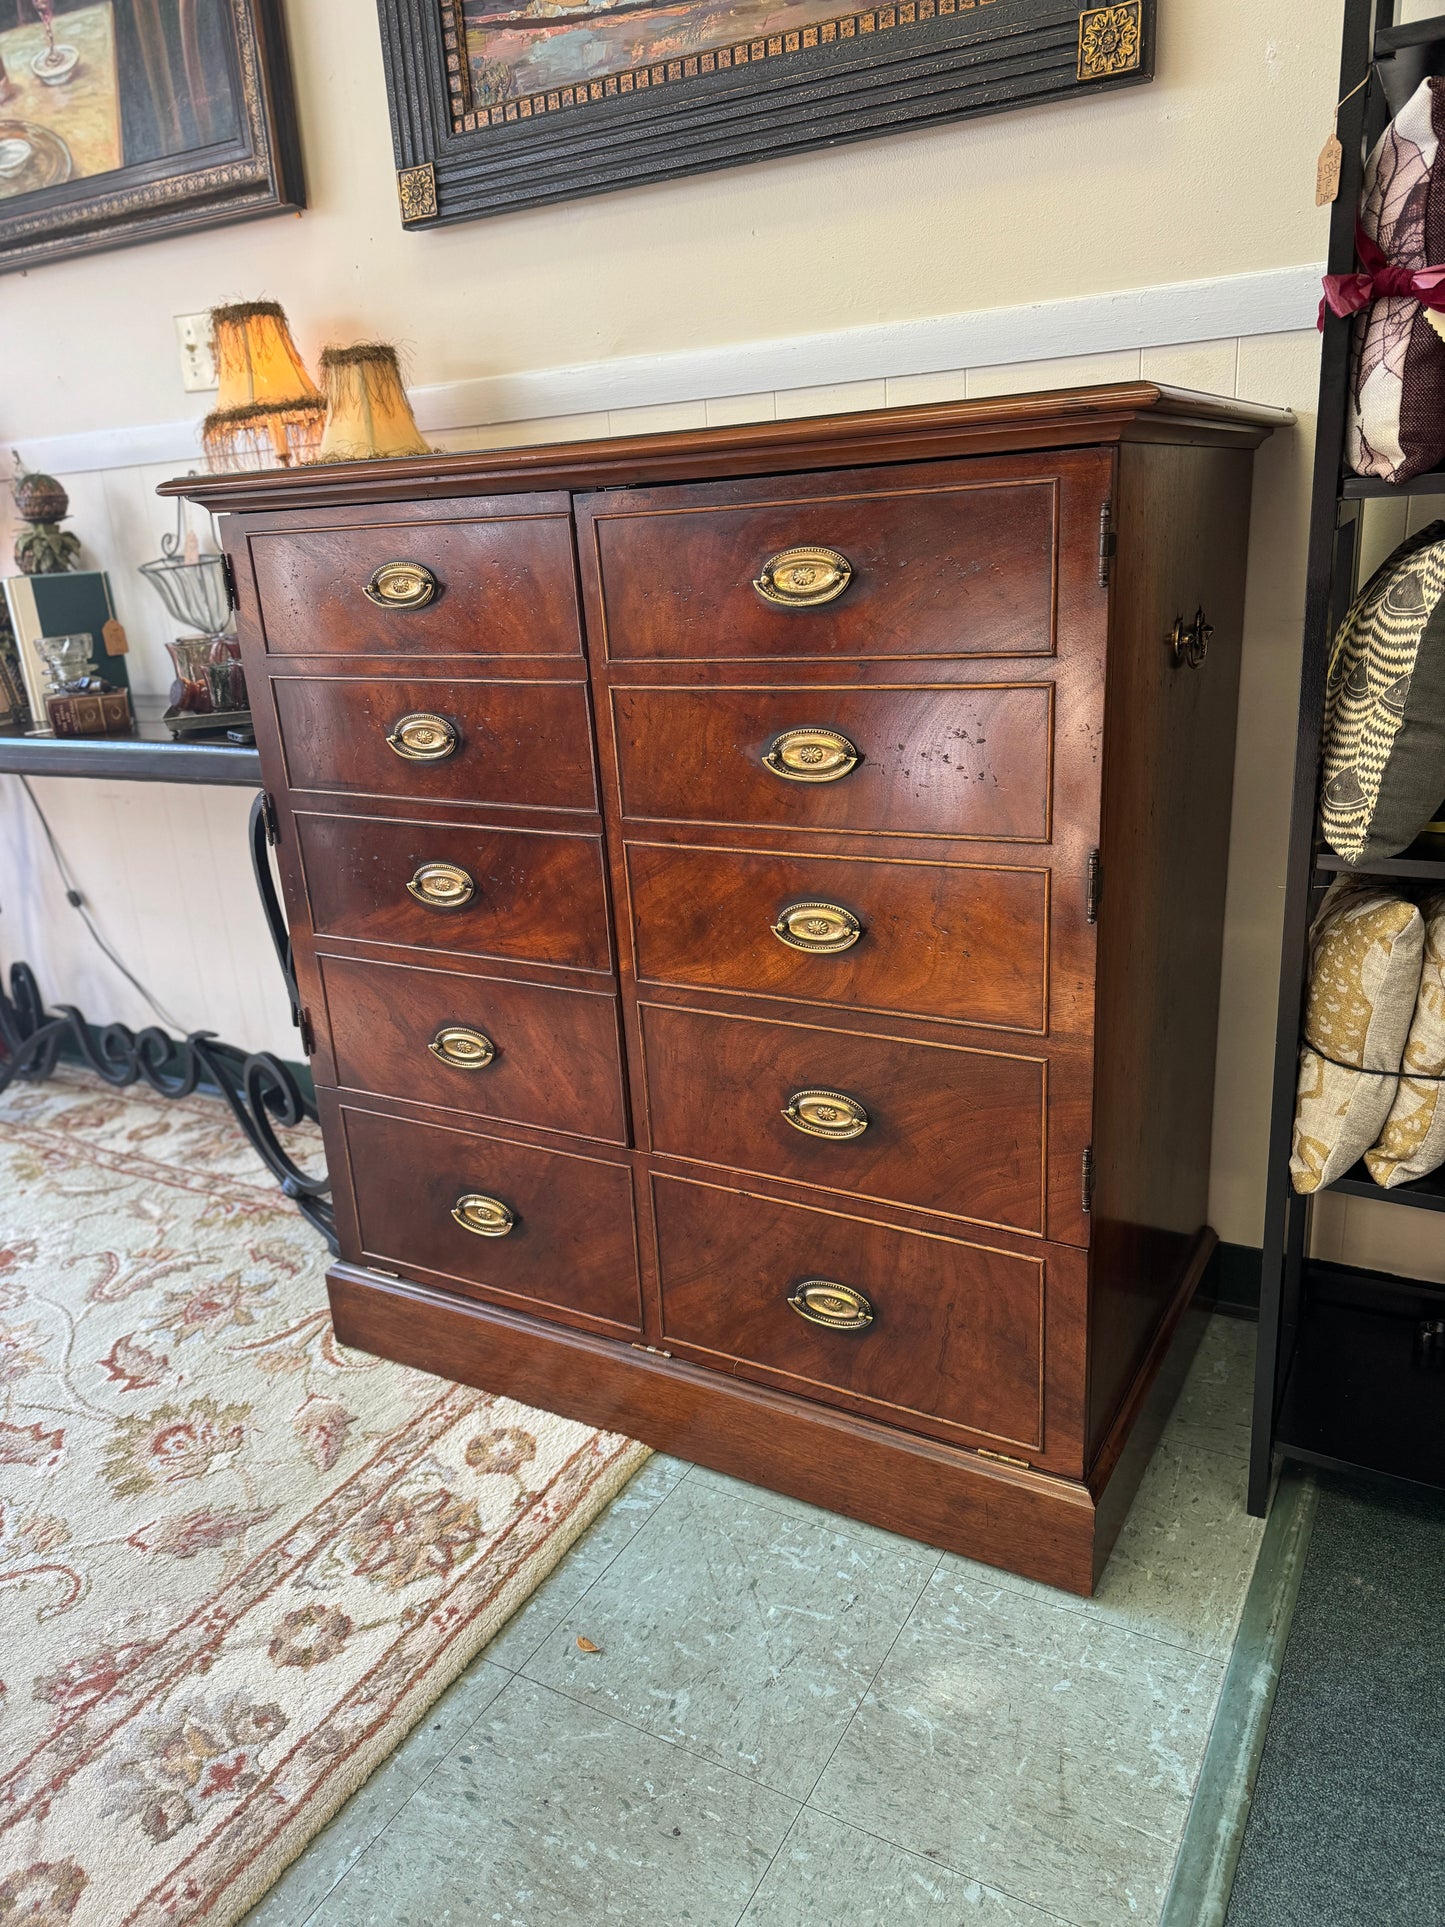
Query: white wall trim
1276, 301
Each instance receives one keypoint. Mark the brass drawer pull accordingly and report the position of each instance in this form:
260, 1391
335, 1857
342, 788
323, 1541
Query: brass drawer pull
838, 1308
401, 585
463, 1048
826, 1114
442, 886
423, 738
811, 755
1188, 642
487, 1217
803, 578
822, 928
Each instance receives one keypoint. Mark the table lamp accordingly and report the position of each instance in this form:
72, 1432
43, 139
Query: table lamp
268, 411
367, 413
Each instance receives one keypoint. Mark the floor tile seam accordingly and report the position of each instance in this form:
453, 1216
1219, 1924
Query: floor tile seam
845, 1528
649, 1733
903, 1625
1079, 1608
772, 1861
401, 1808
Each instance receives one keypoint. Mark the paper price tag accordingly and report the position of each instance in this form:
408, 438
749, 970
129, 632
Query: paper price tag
114, 637
1327, 172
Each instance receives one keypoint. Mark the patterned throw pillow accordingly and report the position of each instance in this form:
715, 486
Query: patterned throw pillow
1365, 953
1397, 368
1384, 767
1412, 1144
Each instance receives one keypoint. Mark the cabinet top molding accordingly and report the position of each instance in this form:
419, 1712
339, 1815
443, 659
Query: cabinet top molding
1059, 418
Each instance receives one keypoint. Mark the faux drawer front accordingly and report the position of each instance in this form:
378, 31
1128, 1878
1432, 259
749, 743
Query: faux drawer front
956, 1331
535, 896
529, 1054
957, 1131
971, 762
934, 567
522, 743
494, 586
571, 1249
937, 939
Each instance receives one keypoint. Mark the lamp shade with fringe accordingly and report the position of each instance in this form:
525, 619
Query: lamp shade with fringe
367, 413
268, 413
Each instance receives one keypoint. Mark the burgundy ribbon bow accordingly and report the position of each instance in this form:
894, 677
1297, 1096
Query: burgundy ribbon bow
1347, 293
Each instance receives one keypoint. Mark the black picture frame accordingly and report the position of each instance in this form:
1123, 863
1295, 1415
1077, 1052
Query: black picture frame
256, 171
873, 70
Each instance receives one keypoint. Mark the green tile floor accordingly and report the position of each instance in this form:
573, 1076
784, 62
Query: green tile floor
797, 1721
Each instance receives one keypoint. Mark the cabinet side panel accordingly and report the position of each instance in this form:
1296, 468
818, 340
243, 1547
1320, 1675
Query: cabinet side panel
1182, 516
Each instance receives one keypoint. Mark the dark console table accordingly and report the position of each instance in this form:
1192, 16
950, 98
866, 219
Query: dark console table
262, 1091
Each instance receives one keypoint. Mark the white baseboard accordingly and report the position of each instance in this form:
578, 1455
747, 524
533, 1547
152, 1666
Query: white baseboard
1276, 301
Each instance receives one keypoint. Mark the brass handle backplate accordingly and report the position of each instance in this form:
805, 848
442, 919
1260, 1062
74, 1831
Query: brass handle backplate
826, 1114
423, 738
487, 1217
401, 585
803, 578
822, 928
839, 1308
1188, 642
463, 1048
811, 755
442, 886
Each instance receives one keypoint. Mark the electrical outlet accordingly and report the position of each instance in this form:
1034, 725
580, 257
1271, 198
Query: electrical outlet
198, 363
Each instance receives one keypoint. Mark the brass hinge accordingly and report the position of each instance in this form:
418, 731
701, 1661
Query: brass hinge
228, 569
1087, 1200
1093, 887
1003, 1458
268, 819
308, 1035
656, 1350
381, 1273
1108, 542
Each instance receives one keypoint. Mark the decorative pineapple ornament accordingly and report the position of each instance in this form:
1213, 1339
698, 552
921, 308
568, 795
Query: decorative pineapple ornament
45, 548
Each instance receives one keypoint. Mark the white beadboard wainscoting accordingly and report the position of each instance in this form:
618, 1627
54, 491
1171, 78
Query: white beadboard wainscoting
166, 871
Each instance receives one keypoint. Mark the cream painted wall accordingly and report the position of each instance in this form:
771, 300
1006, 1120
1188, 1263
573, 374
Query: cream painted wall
1208, 171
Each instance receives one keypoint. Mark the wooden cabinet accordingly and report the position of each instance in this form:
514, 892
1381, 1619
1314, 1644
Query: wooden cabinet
769, 1006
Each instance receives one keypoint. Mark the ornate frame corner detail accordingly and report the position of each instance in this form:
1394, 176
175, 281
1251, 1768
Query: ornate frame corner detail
416, 189
1111, 41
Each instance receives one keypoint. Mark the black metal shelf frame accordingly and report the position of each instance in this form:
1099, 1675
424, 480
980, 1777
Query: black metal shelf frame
1370, 1359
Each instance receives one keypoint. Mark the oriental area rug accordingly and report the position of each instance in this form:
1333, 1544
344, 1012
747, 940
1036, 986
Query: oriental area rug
237, 1561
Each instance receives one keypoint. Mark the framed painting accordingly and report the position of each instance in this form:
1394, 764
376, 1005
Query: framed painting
124, 120
502, 104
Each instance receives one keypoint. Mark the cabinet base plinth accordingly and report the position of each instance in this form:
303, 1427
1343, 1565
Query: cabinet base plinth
1051, 1529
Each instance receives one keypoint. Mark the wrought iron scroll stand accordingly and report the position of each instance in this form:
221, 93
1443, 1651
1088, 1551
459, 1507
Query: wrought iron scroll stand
260, 1089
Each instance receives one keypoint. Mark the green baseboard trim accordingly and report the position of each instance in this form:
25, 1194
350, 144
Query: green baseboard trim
1231, 1282
1214, 1831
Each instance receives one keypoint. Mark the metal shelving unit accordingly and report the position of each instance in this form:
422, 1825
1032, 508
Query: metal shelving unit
1350, 1362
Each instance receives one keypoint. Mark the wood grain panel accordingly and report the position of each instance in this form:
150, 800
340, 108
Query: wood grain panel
539, 898
507, 587
944, 564
942, 940
558, 1062
527, 744
957, 1331
958, 762
571, 1252
957, 1131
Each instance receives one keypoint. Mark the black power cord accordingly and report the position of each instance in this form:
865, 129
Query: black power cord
77, 903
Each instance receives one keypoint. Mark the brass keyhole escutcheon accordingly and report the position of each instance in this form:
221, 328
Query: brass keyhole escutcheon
803, 578
401, 585
822, 928
442, 886
423, 738
826, 1114
462, 1047
1188, 642
837, 1307
487, 1217
811, 755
